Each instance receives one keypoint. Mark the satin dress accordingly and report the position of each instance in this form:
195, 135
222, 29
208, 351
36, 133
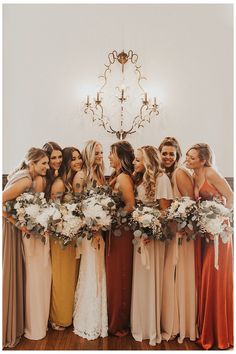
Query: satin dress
215, 287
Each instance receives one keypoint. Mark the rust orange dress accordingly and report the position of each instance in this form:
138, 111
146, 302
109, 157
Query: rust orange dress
215, 288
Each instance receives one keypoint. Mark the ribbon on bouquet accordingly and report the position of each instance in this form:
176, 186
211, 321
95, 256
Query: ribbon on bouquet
98, 244
145, 259
216, 251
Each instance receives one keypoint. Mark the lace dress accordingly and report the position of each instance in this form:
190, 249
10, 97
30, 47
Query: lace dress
90, 311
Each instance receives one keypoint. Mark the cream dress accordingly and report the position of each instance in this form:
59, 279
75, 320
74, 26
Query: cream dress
178, 314
148, 277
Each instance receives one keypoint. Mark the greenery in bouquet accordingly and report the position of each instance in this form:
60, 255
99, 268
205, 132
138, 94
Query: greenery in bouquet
145, 221
214, 219
182, 212
26, 210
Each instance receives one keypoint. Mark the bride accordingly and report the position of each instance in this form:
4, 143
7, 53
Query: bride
90, 311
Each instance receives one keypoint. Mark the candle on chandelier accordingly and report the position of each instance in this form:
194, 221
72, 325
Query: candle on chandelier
122, 93
155, 100
97, 96
145, 96
87, 99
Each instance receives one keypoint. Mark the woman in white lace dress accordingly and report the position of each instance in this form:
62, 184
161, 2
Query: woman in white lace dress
148, 266
90, 311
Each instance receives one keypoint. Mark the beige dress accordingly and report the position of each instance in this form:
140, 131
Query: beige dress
12, 278
148, 277
37, 286
178, 315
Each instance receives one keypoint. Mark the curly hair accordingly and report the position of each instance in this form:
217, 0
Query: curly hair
90, 167
153, 169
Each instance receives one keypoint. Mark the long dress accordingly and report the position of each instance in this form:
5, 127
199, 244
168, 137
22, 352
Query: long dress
12, 278
90, 310
178, 315
119, 262
37, 286
215, 288
148, 277
64, 277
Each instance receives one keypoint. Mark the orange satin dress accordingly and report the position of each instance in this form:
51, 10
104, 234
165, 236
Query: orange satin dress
215, 288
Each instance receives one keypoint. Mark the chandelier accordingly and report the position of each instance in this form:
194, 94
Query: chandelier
122, 121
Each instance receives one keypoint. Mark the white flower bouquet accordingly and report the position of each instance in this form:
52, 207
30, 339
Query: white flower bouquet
213, 220
146, 222
26, 210
183, 212
65, 221
98, 209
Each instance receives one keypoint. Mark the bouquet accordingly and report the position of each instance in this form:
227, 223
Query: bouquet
26, 210
213, 220
146, 222
65, 220
183, 212
99, 210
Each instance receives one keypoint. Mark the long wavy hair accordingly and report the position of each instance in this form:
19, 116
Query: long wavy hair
153, 169
90, 167
125, 153
68, 174
50, 176
171, 141
204, 153
32, 155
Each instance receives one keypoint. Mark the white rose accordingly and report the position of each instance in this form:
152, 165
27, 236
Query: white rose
32, 210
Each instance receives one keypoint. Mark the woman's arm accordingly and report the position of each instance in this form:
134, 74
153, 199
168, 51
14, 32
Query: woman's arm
16, 189
78, 182
221, 185
57, 190
39, 184
126, 188
184, 184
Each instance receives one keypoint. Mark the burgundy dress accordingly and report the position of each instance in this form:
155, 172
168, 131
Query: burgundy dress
119, 265
215, 288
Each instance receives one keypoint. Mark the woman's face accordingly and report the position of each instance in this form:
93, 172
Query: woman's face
138, 162
98, 155
55, 159
76, 161
41, 167
192, 159
168, 156
114, 160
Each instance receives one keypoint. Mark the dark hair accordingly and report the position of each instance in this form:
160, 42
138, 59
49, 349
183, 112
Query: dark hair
50, 176
171, 141
32, 155
125, 153
68, 174
204, 153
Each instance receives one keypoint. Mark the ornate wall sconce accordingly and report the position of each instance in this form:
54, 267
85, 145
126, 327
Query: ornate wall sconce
124, 122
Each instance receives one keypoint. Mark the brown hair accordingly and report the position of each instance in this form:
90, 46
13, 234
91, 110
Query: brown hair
50, 176
125, 153
171, 141
204, 153
153, 168
68, 174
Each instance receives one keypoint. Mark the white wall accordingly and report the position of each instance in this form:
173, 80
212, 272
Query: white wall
53, 54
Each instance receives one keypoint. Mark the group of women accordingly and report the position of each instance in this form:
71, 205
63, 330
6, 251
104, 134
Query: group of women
155, 290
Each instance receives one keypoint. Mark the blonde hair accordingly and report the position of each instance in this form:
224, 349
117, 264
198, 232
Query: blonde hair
90, 168
153, 168
204, 153
33, 155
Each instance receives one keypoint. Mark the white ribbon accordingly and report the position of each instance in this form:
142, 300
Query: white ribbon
145, 259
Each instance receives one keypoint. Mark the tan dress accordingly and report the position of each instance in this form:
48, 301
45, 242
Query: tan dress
178, 315
148, 278
37, 286
12, 278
